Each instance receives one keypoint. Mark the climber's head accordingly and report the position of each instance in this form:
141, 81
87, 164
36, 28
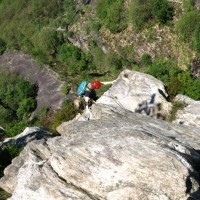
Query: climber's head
95, 84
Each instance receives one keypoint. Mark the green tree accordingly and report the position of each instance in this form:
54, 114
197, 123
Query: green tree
17, 98
167, 72
7, 154
27, 26
98, 58
2, 46
162, 10
70, 11
46, 43
26, 106
43, 8
187, 24
53, 120
127, 53
140, 13
112, 14
112, 62
196, 38
146, 59
5, 115
73, 57
188, 5
189, 86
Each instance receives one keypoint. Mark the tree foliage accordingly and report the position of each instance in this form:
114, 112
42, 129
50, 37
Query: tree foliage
187, 25
27, 25
2, 46
143, 12
70, 11
112, 14
73, 57
162, 10
45, 43
32, 26
17, 98
53, 120
196, 38
176, 80
140, 13
146, 59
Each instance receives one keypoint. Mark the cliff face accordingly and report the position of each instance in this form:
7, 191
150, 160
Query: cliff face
116, 155
48, 82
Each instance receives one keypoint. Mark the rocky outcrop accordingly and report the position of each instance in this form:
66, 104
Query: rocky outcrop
190, 114
49, 85
116, 155
137, 92
28, 135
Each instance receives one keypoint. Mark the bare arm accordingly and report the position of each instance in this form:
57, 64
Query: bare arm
108, 82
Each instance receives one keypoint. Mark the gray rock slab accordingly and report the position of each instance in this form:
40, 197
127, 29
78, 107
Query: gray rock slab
134, 88
49, 93
190, 114
117, 155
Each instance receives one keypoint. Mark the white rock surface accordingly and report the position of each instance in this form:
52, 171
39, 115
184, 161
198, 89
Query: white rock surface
132, 88
189, 115
118, 155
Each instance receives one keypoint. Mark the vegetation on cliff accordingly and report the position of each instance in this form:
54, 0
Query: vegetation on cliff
17, 101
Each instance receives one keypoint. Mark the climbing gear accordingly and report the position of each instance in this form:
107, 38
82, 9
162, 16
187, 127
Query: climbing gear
96, 84
117, 101
81, 88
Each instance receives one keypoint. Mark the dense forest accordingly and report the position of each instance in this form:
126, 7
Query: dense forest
83, 39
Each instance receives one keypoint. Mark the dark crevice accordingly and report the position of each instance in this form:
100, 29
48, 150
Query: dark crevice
192, 160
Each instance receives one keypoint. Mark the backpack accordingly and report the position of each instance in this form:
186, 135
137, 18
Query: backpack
81, 88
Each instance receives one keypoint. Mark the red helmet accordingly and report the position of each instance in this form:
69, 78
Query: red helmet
96, 84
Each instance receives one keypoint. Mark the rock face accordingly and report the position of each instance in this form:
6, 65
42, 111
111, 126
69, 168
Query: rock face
49, 85
116, 155
28, 135
190, 115
138, 92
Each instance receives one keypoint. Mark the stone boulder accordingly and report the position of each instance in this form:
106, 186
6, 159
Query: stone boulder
118, 155
29, 134
190, 114
137, 92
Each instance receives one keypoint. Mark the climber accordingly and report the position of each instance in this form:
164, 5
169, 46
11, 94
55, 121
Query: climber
87, 91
